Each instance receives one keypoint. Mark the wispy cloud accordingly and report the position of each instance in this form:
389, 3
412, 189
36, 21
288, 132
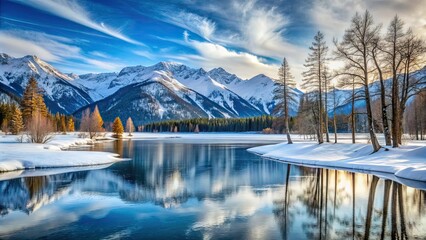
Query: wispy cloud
197, 24
255, 29
72, 11
212, 55
333, 16
13, 45
51, 48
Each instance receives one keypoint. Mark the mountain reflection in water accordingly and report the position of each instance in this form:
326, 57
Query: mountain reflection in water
188, 190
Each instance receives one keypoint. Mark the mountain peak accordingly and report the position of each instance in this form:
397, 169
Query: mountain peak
167, 65
260, 76
31, 57
4, 56
223, 76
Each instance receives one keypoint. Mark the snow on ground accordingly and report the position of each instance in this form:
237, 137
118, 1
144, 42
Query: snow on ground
407, 161
18, 156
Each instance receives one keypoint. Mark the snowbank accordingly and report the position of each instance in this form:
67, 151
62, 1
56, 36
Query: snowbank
406, 162
19, 156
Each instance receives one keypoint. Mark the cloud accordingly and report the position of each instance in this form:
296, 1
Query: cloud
213, 55
12, 45
144, 53
192, 22
333, 16
72, 11
252, 28
51, 48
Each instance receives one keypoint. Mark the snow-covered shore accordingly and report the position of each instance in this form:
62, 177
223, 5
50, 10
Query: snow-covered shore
23, 156
407, 162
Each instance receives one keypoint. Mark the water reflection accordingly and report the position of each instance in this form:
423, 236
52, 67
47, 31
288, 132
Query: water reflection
208, 191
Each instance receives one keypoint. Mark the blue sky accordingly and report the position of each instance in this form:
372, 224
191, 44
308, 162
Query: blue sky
244, 37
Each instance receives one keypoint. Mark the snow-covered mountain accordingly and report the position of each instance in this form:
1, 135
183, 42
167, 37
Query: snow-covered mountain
256, 90
60, 94
162, 91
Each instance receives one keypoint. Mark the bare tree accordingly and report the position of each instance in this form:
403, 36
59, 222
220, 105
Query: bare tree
284, 95
394, 41
376, 54
129, 126
414, 50
354, 50
39, 128
326, 80
313, 77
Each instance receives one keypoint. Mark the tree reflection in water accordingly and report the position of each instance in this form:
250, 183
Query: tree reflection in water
226, 189
360, 214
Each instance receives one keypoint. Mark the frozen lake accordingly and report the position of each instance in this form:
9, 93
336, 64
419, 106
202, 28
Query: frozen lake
192, 189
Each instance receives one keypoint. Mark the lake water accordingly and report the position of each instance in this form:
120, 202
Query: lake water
200, 190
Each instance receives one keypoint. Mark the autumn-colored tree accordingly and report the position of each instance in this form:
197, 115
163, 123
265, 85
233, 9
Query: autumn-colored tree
63, 125
32, 101
5, 126
17, 123
70, 125
97, 119
129, 126
117, 127
91, 122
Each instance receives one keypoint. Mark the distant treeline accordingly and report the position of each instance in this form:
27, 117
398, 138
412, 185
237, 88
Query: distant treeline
211, 125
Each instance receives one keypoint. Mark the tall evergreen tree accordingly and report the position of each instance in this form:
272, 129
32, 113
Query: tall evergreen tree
117, 127
70, 125
97, 119
32, 100
284, 95
16, 122
313, 78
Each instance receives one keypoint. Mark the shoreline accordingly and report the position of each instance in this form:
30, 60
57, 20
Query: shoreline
405, 162
58, 153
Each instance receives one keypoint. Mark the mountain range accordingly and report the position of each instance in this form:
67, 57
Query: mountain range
162, 91
159, 92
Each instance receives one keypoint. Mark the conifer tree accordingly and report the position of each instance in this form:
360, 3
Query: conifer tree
313, 80
63, 125
5, 126
284, 95
32, 101
16, 122
117, 127
129, 126
70, 125
97, 119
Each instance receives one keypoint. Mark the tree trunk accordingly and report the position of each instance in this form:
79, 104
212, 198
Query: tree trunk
334, 115
395, 110
289, 141
327, 137
320, 113
373, 138
385, 120
353, 112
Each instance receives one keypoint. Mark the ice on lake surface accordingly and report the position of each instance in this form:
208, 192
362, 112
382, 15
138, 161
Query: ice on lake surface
214, 190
